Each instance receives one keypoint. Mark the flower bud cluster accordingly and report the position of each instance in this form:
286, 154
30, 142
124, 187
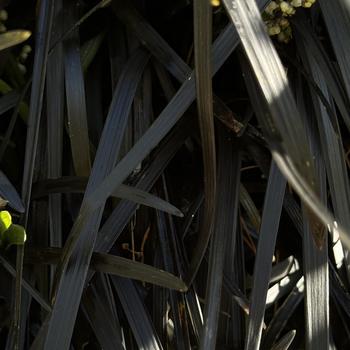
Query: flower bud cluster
276, 16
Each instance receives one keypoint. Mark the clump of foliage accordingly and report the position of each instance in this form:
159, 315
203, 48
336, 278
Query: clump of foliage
172, 177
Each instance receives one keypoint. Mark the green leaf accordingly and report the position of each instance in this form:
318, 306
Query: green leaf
5, 221
13, 37
14, 235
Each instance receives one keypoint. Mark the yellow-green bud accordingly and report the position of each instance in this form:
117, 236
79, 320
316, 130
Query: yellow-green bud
284, 23
215, 3
296, 3
271, 7
3, 15
26, 49
287, 8
274, 30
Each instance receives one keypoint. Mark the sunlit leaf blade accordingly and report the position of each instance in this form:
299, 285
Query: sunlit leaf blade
266, 246
282, 269
317, 293
316, 260
286, 165
224, 229
284, 312
283, 122
13, 37
284, 286
266, 63
285, 342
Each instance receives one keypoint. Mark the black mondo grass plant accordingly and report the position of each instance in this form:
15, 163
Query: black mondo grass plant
174, 174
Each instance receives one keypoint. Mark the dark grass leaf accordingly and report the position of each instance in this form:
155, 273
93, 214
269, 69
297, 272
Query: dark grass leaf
132, 269
151, 39
175, 303
190, 215
137, 314
306, 35
78, 184
142, 197
249, 206
336, 18
42, 39
20, 106
13, 37
285, 342
55, 122
73, 27
160, 298
89, 50
202, 18
39, 73
282, 315
9, 194
117, 49
111, 264
99, 307
8, 101
266, 246
164, 80
75, 96
26, 285
234, 273
338, 291
224, 229
70, 286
